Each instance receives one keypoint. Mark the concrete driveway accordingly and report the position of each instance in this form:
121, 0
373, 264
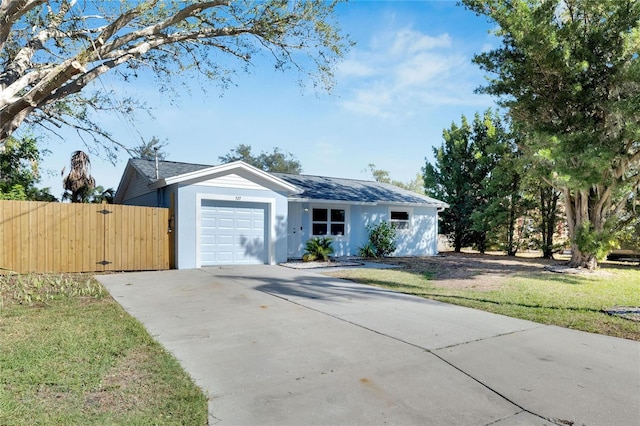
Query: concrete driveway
271, 345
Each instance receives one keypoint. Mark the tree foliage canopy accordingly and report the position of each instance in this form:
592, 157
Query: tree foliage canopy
383, 176
276, 161
569, 73
20, 170
461, 177
50, 50
150, 150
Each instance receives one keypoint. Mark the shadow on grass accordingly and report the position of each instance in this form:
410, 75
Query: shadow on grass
556, 277
523, 305
428, 293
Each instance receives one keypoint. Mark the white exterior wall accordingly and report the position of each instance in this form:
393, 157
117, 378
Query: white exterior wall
419, 240
188, 204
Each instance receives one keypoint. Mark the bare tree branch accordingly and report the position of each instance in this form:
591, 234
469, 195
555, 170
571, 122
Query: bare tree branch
58, 48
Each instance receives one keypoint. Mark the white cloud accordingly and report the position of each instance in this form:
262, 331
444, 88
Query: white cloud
407, 42
354, 68
402, 72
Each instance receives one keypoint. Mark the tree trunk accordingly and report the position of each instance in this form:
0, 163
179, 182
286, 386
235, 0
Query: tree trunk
582, 207
582, 260
457, 243
512, 246
548, 212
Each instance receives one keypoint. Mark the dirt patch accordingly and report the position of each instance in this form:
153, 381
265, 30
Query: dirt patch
470, 270
121, 387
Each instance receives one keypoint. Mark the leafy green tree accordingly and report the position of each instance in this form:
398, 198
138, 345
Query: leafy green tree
149, 150
100, 195
464, 164
276, 161
416, 185
568, 73
378, 175
51, 50
19, 170
546, 210
629, 230
505, 204
450, 180
492, 180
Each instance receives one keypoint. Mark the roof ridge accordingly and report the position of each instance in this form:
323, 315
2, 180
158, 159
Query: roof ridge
325, 177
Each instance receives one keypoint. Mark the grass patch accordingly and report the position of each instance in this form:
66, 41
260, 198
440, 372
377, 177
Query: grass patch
572, 301
69, 354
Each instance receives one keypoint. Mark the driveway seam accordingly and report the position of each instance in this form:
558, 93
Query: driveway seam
426, 350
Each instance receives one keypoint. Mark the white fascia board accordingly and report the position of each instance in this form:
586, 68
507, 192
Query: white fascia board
425, 204
226, 169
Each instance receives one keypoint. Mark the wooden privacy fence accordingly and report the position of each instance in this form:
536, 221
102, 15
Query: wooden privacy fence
58, 237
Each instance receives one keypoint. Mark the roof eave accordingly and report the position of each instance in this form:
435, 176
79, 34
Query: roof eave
227, 168
366, 203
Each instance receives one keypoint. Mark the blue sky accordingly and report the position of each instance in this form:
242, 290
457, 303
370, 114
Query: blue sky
408, 77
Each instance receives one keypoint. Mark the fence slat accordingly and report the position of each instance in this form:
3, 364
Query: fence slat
59, 237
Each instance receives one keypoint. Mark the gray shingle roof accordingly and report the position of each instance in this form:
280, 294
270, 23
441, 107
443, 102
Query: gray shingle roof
166, 169
314, 187
352, 190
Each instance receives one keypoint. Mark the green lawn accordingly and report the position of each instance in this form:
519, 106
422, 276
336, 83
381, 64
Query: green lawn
69, 354
573, 301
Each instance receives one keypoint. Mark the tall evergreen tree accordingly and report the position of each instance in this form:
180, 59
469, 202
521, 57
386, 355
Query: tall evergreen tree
479, 172
463, 163
449, 180
568, 73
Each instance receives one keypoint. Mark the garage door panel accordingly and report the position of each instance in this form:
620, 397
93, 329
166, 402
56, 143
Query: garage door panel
208, 223
222, 209
228, 240
244, 224
232, 233
207, 240
225, 223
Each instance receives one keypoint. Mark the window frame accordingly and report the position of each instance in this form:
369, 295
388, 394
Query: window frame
329, 222
408, 221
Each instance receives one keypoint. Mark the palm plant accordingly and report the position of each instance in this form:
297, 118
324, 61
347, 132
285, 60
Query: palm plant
318, 248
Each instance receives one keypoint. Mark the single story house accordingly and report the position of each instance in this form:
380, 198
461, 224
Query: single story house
235, 213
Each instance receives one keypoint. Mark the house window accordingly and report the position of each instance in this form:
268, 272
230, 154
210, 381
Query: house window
400, 219
328, 222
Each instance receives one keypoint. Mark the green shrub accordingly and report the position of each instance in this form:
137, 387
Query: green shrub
382, 240
593, 242
318, 248
367, 250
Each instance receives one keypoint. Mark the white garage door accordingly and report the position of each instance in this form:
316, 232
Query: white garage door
232, 233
